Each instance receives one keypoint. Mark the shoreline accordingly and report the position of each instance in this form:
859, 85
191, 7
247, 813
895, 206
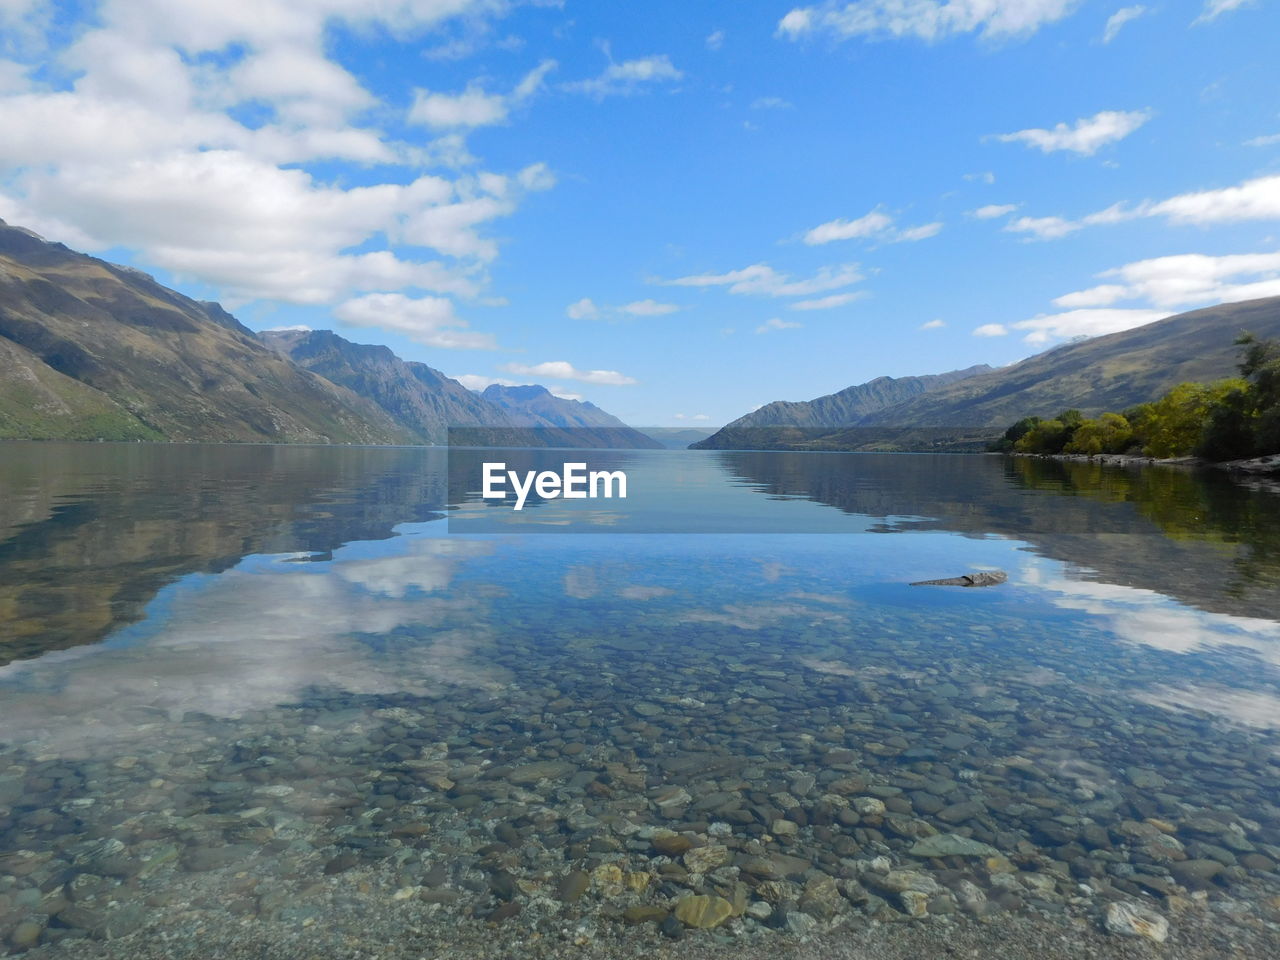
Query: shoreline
1265, 467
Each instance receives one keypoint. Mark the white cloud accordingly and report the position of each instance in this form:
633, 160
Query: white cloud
1216, 8
1257, 199
648, 308
986, 177
922, 232
776, 323
715, 40
933, 325
875, 225
1117, 20
760, 279
584, 309
1184, 280
770, 103
927, 19
1101, 296
588, 309
477, 382
145, 149
1263, 141
694, 416
1085, 136
868, 225
826, 303
1044, 228
474, 107
295, 328
628, 77
991, 330
426, 320
1083, 323
560, 370
993, 210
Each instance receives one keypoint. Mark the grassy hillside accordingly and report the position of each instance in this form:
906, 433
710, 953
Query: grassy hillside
1105, 373
149, 363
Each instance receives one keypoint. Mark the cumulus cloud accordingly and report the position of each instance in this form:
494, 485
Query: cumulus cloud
760, 279
584, 309
827, 302
430, 321
926, 19
628, 77
1086, 136
1264, 141
561, 370
993, 210
991, 330
1116, 22
933, 325
1184, 280
874, 225
1257, 199
145, 148
474, 107
776, 323
1083, 323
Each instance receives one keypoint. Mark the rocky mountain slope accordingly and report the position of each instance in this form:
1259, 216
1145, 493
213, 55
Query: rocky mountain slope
419, 398
532, 405
849, 406
92, 350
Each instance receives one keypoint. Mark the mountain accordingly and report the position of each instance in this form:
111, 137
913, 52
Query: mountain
842, 409
420, 399
532, 405
677, 438
1111, 372
89, 349
1096, 375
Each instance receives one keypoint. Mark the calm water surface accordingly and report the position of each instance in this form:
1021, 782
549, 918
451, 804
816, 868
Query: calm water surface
281, 690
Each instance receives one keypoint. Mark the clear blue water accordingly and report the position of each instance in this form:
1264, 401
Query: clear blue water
289, 664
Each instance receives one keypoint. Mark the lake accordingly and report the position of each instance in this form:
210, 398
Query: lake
260, 699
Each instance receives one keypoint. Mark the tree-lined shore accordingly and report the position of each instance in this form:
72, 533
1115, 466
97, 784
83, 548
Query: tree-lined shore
1233, 419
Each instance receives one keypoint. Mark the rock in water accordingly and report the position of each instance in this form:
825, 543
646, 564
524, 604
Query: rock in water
952, 845
1133, 920
703, 912
983, 578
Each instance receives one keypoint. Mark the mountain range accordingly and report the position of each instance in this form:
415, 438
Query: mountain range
1111, 372
93, 350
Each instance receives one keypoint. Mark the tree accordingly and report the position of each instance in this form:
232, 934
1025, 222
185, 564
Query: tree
1110, 433
1178, 420
1047, 436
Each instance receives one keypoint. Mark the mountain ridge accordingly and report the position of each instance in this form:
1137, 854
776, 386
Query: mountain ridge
1110, 372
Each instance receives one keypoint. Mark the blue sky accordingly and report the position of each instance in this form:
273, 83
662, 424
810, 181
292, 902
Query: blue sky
679, 211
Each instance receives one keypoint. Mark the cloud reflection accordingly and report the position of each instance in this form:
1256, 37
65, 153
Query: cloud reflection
258, 635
